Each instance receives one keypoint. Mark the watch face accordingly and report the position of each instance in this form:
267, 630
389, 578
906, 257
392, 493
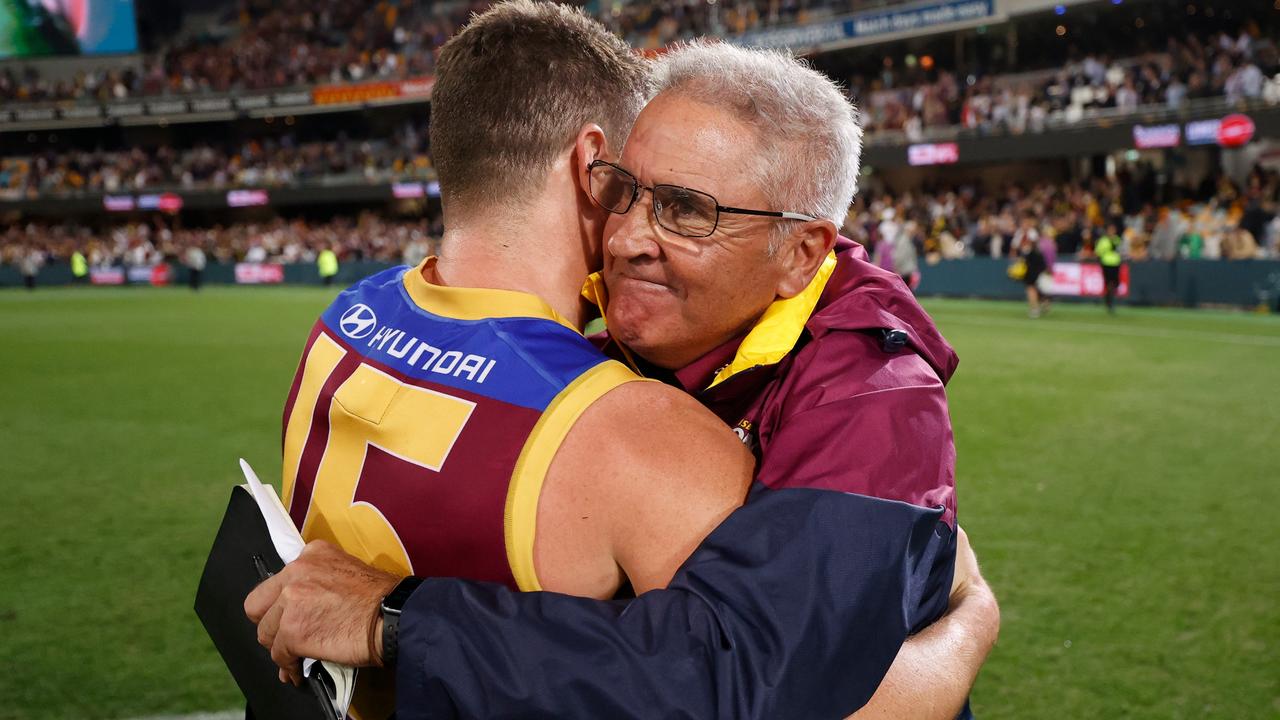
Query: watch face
395, 600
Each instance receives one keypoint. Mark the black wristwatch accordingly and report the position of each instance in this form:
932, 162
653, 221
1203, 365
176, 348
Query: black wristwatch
392, 605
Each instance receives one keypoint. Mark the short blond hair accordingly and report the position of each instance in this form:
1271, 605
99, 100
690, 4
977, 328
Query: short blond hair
512, 91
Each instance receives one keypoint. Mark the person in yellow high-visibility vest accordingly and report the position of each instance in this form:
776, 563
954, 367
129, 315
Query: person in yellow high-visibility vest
327, 264
1108, 251
79, 267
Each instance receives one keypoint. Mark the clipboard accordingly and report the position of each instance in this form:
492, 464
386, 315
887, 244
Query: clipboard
243, 555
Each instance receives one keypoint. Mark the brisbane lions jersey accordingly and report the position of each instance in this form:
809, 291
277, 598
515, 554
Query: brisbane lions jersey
421, 423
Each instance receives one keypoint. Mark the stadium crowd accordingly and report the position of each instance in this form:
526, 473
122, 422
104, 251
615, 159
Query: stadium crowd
1224, 221
272, 44
652, 25
1237, 67
1227, 221
368, 236
294, 43
276, 44
269, 44
266, 162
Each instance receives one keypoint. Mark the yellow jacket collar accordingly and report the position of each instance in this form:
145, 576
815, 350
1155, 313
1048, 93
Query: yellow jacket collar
776, 332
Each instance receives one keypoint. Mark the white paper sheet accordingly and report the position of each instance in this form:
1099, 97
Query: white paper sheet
288, 542
284, 534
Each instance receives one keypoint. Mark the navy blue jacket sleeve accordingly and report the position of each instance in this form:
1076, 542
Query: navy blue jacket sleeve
794, 607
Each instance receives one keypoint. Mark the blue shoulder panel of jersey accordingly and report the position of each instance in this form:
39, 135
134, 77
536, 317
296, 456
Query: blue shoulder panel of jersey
519, 360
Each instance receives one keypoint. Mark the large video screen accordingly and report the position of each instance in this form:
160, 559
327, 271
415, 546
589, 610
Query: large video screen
35, 28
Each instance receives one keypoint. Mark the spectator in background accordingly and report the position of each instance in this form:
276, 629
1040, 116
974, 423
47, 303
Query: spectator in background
257, 253
948, 246
1191, 246
79, 267
1027, 242
1245, 81
1271, 90
1271, 235
416, 251
1164, 239
905, 256
1025, 232
1108, 251
983, 242
1240, 245
327, 265
195, 260
1175, 95
888, 232
1127, 96
30, 260
1048, 247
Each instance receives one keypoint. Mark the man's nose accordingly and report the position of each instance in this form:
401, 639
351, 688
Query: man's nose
637, 235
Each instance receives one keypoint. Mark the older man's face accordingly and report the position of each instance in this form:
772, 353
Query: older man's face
672, 299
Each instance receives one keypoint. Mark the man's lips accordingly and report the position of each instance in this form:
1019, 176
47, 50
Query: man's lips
632, 283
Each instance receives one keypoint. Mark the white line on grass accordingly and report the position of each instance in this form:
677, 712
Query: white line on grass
225, 715
1217, 314
1240, 316
1128, 330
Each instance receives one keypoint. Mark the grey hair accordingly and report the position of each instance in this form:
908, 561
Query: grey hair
807, 128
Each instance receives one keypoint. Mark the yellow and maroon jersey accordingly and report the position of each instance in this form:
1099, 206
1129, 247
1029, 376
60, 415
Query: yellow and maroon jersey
421, 423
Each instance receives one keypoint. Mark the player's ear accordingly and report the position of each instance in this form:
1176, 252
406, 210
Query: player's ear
802, 253
590, 145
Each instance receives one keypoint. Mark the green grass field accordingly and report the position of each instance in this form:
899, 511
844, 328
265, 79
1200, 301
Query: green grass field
1118, 477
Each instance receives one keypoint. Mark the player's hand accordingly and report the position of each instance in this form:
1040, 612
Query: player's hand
324, 605
971, 591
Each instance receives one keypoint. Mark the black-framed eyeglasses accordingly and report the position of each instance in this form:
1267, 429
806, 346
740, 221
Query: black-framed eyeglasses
684, 211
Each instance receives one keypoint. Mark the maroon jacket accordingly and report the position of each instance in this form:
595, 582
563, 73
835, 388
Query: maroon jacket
846, 410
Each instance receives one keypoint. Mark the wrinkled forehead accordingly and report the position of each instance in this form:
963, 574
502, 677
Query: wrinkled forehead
681, 140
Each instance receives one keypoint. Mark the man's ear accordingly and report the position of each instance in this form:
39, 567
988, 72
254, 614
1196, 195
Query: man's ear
590, 145
802, 253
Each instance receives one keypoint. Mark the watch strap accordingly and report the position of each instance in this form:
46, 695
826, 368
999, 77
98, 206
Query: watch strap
392, 605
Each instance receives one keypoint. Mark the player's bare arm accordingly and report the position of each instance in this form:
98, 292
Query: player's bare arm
642, 478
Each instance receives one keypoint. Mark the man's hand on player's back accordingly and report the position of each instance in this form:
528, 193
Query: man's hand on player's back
325, 604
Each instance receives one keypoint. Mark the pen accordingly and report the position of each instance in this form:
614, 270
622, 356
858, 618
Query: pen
261, 566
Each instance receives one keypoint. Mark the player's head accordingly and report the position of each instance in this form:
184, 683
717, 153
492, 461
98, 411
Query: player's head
519, 92
754, 130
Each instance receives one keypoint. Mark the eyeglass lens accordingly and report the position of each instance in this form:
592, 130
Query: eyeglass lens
613, 190
683, 211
